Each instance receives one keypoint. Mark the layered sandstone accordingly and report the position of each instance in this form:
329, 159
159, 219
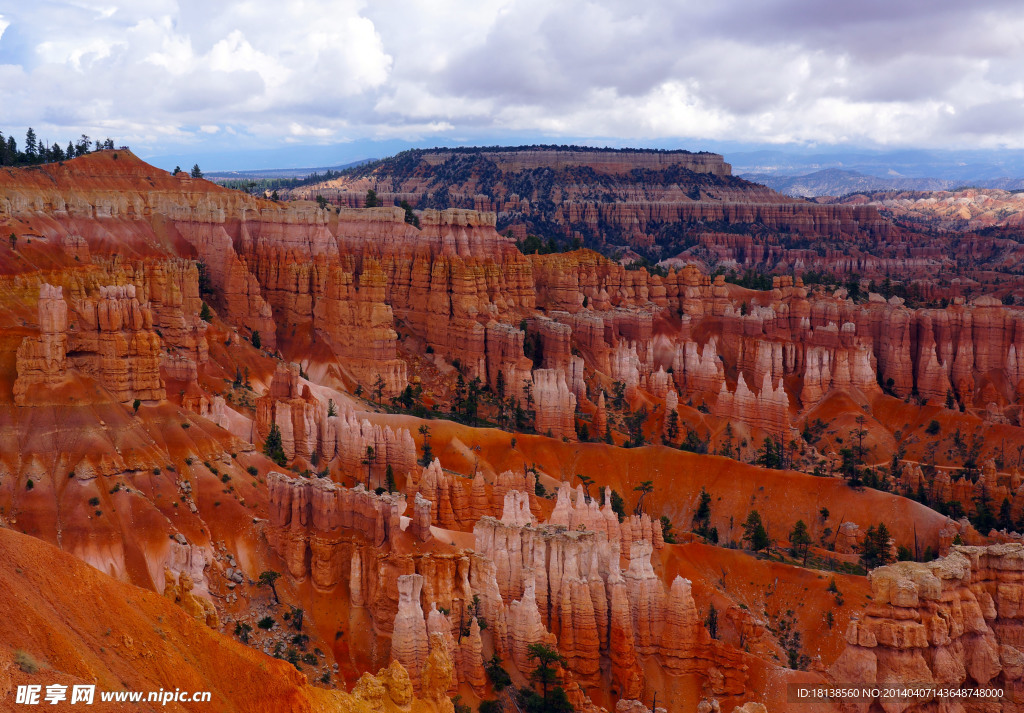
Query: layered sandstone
952, 623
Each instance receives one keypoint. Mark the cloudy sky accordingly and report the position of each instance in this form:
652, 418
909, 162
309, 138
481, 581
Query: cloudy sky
195, 77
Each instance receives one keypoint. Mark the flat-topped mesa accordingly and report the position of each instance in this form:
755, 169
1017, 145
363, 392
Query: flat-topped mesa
603, 162
605, 197
318, 515
955, 622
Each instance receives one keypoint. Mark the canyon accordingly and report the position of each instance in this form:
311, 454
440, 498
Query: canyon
351, 442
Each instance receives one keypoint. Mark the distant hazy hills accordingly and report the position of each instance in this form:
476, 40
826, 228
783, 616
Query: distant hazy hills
280, 172
837, 182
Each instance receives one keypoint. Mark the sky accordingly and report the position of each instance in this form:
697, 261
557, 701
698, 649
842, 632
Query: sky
293, 81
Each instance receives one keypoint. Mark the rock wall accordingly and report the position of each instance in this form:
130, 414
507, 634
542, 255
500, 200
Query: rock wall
313, 521
111, 340
956, 622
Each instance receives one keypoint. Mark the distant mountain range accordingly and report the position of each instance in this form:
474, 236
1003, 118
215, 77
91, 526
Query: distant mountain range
801, 173
837, 182
281, 172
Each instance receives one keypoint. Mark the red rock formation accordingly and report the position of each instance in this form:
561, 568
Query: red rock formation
409, 643
600, 421
952, 622
353, 316
504, 348
768, 409
420, 525
293, 409
41, 360
111, 341
555, 404
322, 515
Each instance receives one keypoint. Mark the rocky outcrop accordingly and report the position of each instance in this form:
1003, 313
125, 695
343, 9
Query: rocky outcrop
112, 341
564, 583
180, 592
409, 643
352, 314
767, 410
322, 517
41, 361
555, 404
954, 622
115, 343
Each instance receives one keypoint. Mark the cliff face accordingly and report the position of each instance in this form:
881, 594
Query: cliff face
954, 623
660, 200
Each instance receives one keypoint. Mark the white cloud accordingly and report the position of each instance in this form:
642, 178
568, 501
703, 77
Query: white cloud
159, 72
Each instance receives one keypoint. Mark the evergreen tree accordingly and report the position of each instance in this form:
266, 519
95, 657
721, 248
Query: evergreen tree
701, 523
712, 622
30, 145
196, 173
672, 427
547, 659
273, 448
754, 532
983, 518
1005, 518
800, 540
269, 578
874, 551
256, 340
205, 314
644, 489
428, 452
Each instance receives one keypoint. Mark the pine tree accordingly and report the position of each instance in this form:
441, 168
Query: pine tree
196, 173
672, 427
273, 448
874, 551
31, 146
755, 533
712, 622
205, 314
800, 540
1005, 518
